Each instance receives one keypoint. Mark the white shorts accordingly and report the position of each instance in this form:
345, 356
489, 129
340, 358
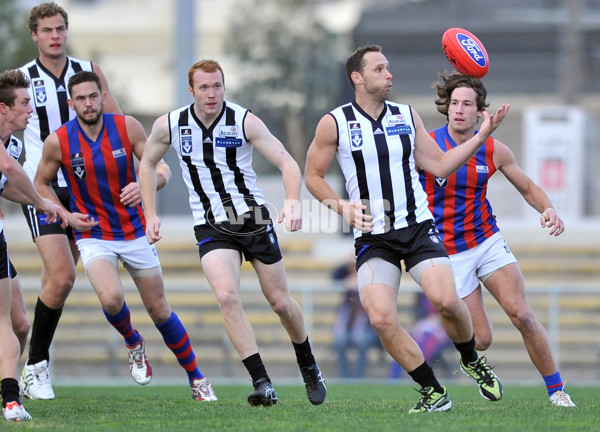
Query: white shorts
136, 254
474, 265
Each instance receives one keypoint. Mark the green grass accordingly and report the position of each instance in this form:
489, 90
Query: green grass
349, 407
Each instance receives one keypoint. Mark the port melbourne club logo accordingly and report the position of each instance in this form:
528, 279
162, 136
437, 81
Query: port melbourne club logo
78, 166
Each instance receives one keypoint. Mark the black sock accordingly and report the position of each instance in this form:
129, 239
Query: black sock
10, 391
304, 354
256, 367
467, 351
42, 332
423, 375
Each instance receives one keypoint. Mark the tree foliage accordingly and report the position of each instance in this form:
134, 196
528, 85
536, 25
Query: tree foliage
15, 39
290, 73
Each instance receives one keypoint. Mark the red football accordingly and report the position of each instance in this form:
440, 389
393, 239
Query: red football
465, 52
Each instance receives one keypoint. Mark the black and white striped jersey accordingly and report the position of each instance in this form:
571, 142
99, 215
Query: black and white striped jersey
49, 96
14, 148
377, 159
216, 163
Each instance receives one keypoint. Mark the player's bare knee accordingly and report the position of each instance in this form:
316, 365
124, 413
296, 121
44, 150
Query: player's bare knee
285, 306
449, 308
483, 342
21, 329
227, 299
159, 313
525, 321
382, 323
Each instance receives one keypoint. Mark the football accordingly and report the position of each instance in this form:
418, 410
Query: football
465, 52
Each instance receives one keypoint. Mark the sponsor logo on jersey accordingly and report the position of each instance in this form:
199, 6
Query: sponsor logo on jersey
185, 140
61, 88
356, 140
395, 119
39, 90
377, 131
482, 169
207, 140
228, 131
403, 129
78, 166
440, 182
228, 142
119, 153
14, 150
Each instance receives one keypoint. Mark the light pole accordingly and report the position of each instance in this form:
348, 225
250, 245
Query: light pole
571, 68
184, 47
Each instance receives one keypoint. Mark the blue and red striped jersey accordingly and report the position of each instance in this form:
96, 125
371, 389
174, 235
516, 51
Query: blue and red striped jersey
462, 213
96, 172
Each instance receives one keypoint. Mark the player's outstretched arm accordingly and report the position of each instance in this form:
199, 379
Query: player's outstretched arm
505, 161
273, 150
156, 147
432, 159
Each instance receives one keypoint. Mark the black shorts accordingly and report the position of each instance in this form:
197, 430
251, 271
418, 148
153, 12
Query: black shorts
254, 237
412, 244
37, 221
7, 270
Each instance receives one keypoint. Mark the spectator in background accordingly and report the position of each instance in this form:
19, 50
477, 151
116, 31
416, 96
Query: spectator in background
352, 329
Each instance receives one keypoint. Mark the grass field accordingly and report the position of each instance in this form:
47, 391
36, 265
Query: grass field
349, 407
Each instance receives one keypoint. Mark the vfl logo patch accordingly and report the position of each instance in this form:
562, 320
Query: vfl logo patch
39, 90
440, 182
471, 48
78, 166
356, 139
185, 140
